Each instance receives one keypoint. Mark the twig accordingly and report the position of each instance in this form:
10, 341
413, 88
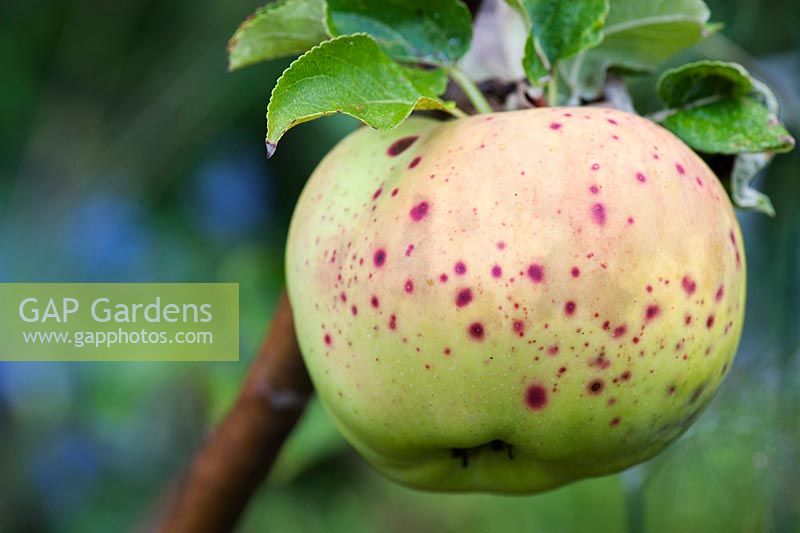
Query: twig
472, 92
233, 461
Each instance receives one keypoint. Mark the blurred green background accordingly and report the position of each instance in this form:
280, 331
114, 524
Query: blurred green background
128, 153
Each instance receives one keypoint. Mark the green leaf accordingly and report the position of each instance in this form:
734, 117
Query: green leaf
745, 168
730, 126
431, 31
559, 30
280, 29
719, 108
638, 36
701, 80
350, 74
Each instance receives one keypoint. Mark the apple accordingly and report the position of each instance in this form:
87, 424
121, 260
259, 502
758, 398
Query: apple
513, 301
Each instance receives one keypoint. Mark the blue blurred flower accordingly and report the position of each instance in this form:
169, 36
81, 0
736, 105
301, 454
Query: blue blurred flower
22, 385
65, 469
108, 238
231, 198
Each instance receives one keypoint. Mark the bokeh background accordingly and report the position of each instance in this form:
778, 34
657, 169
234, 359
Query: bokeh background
128, 153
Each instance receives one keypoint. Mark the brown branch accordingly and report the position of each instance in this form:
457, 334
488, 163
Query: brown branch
233, 461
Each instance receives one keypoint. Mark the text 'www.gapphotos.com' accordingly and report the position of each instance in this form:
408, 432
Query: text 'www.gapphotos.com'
96, 339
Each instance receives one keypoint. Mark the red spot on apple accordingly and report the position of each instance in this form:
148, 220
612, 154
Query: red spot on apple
379, 258
460, 268
689, 285
652, 311
680, 169
710, 321
409, 286
393, 322
327, 339
377, 193
476, 331
497, 271
576, 272
536, 397
401, 145
414, 162
569, 308
443, 278
463, 297
555, 126
419, 211
519, 328
374, 301
536, 273
720, 293
595, 387
619, 331
599, 214
641, 177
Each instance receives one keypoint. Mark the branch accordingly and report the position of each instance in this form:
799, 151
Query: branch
233, 461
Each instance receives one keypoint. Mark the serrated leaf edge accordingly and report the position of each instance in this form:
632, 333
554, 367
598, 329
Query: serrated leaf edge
264, 10
430, 103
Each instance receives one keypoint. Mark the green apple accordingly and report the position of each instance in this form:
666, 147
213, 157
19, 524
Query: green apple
514, 301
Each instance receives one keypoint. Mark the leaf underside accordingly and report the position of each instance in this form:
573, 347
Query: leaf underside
638, 36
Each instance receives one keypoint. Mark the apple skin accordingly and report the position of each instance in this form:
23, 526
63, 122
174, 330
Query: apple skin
514, 301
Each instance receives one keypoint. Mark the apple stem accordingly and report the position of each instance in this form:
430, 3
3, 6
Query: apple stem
552, 89
573, 82
476, 97
456, 112
228, 468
